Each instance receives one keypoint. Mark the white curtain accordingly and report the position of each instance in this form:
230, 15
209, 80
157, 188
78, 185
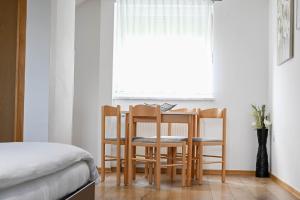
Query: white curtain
163, 49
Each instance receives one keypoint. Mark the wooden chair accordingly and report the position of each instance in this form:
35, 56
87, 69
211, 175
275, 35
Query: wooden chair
172, 152
200, 142
109, 111
143, 113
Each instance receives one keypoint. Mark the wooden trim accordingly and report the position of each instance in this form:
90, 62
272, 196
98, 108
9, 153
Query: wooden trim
206, 172
230, 172
20, 71
286, 186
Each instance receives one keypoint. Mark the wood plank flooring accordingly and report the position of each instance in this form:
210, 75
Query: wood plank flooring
235, 188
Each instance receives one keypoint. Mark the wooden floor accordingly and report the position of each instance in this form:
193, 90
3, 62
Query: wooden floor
236, 187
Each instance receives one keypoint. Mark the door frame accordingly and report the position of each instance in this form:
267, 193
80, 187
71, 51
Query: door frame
20, 71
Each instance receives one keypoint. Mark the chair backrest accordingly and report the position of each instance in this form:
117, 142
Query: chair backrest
110, 111
144, 113
213, 113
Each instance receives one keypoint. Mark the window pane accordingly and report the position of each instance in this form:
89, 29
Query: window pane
163, 50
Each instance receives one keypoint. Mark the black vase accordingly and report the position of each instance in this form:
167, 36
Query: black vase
262, 163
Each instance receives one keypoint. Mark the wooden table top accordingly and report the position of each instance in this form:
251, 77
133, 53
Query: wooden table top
170, 113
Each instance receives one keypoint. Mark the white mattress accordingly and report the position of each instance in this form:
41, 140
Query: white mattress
28, 161
54, 186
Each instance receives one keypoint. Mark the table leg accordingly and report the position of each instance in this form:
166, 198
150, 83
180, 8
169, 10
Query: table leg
126, 150
190, 145
174, 154
169, 161
193, 164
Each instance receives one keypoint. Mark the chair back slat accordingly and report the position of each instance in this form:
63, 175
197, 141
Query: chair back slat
211, 113
145, 111
110, 111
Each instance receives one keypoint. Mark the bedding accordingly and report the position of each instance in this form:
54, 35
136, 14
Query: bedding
54, 186
24, 162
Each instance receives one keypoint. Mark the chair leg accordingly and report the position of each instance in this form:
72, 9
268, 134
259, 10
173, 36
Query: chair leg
200, 181
223, 164
134, 163
146, 164
150, 174
118, 164
154, 171
183, 173
102, 162
197, 162
154, 165
158, 170
125, 166
130, 165
193, 163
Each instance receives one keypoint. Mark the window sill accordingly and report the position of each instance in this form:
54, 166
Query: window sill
166, 98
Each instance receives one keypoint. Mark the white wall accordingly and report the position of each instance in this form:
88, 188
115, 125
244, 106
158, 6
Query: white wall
241, 70
94, 39
93, 71
285, 98
61, 71
86, 123
106, 51
37, 66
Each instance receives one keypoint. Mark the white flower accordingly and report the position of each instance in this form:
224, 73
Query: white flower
253, 124
267, 122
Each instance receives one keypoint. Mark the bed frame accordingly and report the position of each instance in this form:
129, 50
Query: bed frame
86, 192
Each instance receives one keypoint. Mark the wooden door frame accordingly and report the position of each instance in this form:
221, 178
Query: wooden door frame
20, 71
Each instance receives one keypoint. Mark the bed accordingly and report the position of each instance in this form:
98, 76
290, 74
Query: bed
46, 171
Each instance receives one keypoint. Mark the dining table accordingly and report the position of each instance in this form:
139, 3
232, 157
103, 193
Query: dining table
188, 118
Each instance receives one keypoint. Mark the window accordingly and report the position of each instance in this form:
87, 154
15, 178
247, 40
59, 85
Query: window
163, 49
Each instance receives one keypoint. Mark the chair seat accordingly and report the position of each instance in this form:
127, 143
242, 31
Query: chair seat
163, 139
114, 139
199, 139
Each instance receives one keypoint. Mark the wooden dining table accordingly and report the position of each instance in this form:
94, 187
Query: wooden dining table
188, 118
